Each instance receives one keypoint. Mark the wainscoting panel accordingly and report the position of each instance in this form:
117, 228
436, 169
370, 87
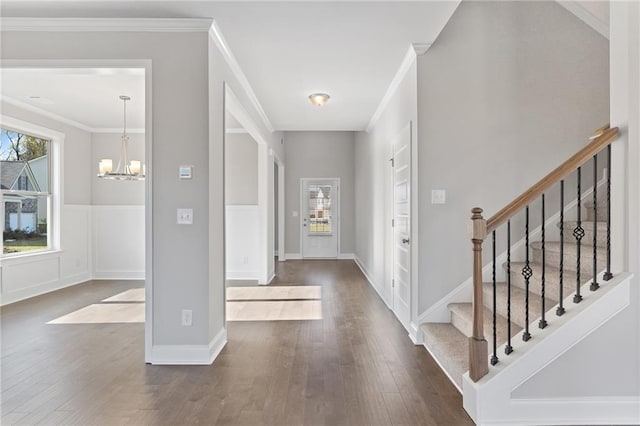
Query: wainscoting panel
243, 242
118, 242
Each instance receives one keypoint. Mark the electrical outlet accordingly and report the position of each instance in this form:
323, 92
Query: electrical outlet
187, 317
245, 260
185, 216
438, 196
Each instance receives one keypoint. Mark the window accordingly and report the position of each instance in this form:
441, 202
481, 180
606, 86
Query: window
320, 209
25, 171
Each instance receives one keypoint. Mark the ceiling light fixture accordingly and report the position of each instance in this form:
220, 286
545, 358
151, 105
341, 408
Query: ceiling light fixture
319, 99
126, 170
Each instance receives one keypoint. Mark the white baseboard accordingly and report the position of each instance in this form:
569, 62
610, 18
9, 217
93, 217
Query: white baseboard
118, 275
243, 275
293, 256
346, 256
189, 354
370, 280
27, 293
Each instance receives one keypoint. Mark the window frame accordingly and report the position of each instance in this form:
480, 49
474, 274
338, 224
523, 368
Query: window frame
54, 194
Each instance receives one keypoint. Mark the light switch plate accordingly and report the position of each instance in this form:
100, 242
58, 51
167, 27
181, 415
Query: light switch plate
438, 196
185, 216
294, 213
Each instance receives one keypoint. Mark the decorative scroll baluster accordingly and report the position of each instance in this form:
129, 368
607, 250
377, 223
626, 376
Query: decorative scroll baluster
526, 273
578, 233
594, 282
608, 275
560, 311
543, 322
508, 349
478, 347
494, 357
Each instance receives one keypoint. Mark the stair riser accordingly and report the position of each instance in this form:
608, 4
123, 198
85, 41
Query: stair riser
602, 208
464, 324
601, 236
570, 260
517, 308
552, 282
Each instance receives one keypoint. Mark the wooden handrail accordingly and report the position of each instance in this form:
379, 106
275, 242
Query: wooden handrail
606, 136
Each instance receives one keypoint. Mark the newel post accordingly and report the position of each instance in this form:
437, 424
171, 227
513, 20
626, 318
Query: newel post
478, 347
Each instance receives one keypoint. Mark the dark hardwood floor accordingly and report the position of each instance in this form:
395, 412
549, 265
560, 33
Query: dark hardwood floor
355, 366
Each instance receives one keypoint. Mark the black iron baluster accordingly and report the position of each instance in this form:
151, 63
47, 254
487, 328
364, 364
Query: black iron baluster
560, 311
543, 322
594, 282
578, 233
526, 273
494, 357
608, 275
508, 349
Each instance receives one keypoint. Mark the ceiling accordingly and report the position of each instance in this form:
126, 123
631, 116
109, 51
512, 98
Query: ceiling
88, 98
288, 50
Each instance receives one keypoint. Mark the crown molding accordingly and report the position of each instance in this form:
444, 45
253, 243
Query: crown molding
105, 24
61, 119
414, 50
578, 9
233, 64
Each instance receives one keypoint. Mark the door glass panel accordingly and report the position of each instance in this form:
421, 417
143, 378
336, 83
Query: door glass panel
320, 219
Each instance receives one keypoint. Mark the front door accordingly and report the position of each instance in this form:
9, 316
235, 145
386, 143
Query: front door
320, 218
402, 226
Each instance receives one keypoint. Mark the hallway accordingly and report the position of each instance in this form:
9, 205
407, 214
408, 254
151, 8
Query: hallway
355, 366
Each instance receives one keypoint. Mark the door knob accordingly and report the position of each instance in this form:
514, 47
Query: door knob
405, 241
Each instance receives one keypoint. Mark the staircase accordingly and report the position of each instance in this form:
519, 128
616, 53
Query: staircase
449, 342
555, 292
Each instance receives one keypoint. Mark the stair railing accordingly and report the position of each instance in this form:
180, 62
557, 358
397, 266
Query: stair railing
478, 346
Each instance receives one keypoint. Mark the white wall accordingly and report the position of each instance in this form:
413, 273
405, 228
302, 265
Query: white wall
25, 277
319, 155
243, 242
241, 169
372, 183
507, 92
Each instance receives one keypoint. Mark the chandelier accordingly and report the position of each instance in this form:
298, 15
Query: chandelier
125, 170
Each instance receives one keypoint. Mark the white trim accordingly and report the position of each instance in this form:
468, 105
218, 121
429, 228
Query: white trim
346, 256
236, 70
189, 354
368, 277
489, 400
234, 130
293, 256
106, 24
578, 9
409, 58
118, 275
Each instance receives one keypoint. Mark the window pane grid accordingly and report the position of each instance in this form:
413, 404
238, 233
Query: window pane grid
320, 218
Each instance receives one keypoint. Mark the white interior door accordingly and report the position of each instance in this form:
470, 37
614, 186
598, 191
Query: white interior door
320, 224
402, 226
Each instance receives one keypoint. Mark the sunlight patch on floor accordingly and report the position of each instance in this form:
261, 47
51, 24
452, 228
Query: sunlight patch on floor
132, 295
269, 310
274, 292
104, 313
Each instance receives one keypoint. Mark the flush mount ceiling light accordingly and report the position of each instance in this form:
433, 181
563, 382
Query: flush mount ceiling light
126, 170
319, 99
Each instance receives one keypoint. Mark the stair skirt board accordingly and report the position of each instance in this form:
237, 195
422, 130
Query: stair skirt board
489, 401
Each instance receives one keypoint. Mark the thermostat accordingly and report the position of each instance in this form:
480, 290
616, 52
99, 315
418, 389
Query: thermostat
184, 172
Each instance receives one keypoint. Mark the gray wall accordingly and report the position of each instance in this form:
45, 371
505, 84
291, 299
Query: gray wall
507, 92
372, 183
241, 169
115, 192
319, 155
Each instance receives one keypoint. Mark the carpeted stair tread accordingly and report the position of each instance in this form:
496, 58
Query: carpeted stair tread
552, 279
517, 303
587, 206
462, 319
588, 226
449, 347
552, 256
